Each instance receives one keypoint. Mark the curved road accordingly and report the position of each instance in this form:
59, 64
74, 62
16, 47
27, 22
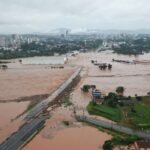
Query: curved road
116, 127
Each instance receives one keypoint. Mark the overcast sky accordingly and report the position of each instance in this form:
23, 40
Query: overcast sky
44, 15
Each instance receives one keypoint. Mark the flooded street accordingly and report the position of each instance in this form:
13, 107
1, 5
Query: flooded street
56, 135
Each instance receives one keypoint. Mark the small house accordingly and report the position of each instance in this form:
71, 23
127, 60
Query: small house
97, 96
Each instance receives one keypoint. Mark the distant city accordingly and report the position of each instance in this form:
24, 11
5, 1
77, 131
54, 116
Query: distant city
62, 41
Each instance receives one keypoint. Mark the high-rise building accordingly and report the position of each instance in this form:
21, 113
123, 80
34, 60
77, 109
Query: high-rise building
2, 41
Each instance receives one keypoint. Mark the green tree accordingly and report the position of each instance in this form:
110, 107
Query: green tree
120, 90
85, 88
108, 145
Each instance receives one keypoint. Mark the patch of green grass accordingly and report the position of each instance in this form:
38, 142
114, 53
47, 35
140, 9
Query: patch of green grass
137, 116
142, 116
105, 111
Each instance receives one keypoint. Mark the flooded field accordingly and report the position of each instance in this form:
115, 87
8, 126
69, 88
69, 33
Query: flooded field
11, 110
55, 135
134, 78
25, 83
8, 114
81, 138
30, 80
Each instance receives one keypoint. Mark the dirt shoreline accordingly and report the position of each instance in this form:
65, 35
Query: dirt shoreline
27, 98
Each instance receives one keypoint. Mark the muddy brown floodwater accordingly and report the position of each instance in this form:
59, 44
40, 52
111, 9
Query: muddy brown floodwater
8, 112
135, 78
30, 80
55, 135
79, 138
25, 81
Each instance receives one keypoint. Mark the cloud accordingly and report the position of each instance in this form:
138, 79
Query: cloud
44, 15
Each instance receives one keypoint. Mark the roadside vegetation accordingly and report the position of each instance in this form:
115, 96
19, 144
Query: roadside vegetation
119, 140
104, 110
133, 112
67, 101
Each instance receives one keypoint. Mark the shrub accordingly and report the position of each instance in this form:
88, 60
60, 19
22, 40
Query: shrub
118, 140
85, 88
120, 89
108, 145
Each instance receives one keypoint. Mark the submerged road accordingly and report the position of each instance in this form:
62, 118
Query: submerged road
33, 121
40, 107
116, 127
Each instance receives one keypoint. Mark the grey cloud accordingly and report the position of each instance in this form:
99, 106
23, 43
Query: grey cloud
43, 15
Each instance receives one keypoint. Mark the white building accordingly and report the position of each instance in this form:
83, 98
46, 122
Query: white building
51, 60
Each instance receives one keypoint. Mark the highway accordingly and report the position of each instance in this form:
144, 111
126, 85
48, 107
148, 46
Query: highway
40, 107
34, 119
19, 138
